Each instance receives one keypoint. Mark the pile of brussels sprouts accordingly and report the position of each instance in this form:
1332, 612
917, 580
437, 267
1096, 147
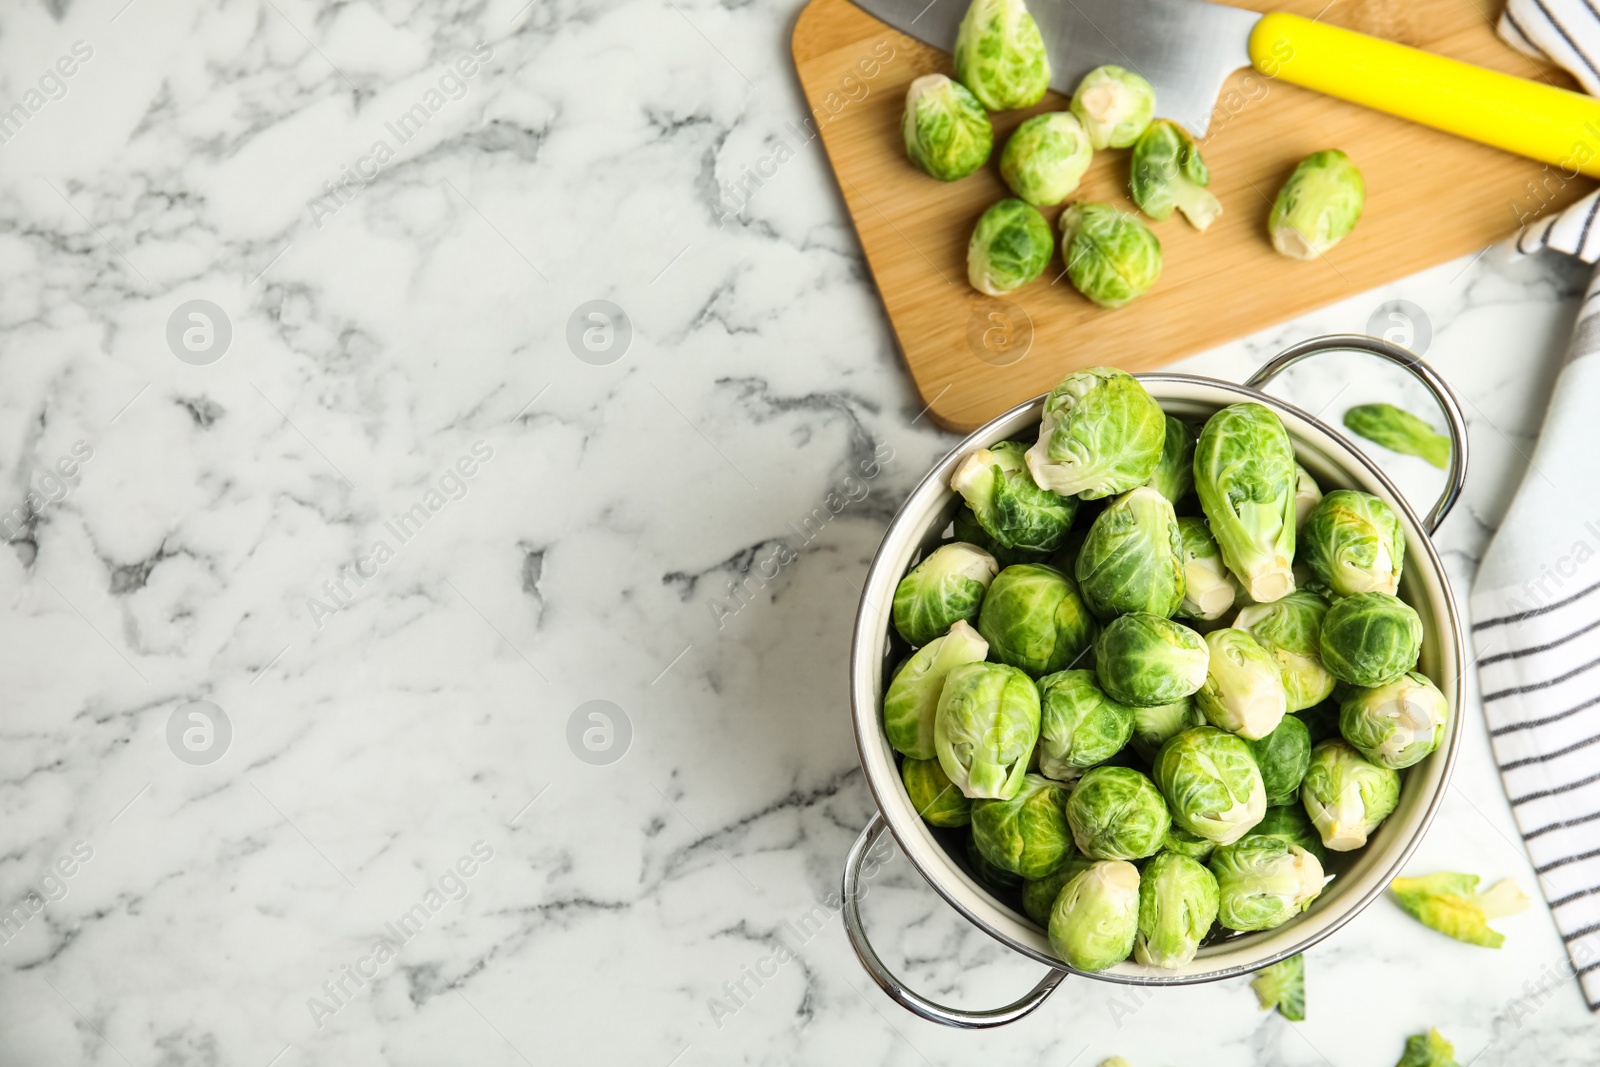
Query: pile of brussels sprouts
1158, 673
1111, 256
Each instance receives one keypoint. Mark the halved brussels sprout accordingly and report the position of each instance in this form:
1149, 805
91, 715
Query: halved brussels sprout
1399, 431
1194, 846
1289, 629
1096, 915
1079, 725
1026, 834
1045, 158
1008, 504
986, 727
996, 878
1177, 905
1370, 639
1283, 986
1144, 660
932, 793
1243, 693
1307, 495
1114, 105
1168, 174
1101, 434
1034, 619
1263, 882
945, 588
1346, 795
947, 132
1000, 55
1116, 813
1009, 248
1395, 725
1318, 206
1155, 726
1174, 475
1209, 588
1283, 756
1132, 558
1244, 471
1212, 784
912, 702
1290, 822
1039, 894
1111, 256
1353, 542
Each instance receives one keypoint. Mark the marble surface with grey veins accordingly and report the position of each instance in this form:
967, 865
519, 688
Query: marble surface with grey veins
324, 544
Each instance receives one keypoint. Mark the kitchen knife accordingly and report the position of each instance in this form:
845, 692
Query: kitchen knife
1188, 48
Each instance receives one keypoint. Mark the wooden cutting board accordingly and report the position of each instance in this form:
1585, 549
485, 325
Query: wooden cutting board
1430, 198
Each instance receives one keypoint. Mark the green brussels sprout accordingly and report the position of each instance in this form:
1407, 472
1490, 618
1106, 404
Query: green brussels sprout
1116, 813
986, 727
1283, 756
1352, 541
1212, 784
1114, 105
1027, 834
1244, 471
1395, 725
1428, 1050
912, 702
1243, 692
932, 793
1263, 882
1045, 158
1399, 431
1194, 846
1347, 795
1000, 55
996, 878
1008, 504
1174, 474
1209, 588
1034, 619
1451, 904
945, 588
1290, 822
1177, 905
1283, 986
1079, 725
1010, 247
1101, 434
1039, 894
1111, 256
1132, 558
1318, 206
1307, 495
1370, 639
1144, 660
1288, 628
1155, 726
967, 528
1168, 174
1096, 915
947, 132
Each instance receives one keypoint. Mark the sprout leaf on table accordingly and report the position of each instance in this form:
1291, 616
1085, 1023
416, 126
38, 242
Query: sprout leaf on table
1451, 904
1399, 431
1283, 986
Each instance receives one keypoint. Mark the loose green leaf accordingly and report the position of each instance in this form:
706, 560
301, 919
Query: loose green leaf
1428, 1050
1283, 986
1399, 431
1451, 904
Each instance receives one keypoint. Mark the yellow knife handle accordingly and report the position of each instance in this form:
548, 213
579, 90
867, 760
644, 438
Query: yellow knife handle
1555, 126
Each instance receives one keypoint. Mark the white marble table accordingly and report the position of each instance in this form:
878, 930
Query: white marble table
399, 534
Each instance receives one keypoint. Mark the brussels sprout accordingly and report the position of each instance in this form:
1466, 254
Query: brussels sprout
1039, 894
1283, 986
1045, 158
1006, 501
1034, 619
1428, 1050
1244, 471
1184, 843
1243, 693
985, 728
1263, 882
996, 878
1116, 813
1288, 628
1399, 431
932, 793
1096, 916
1395, 725
1307, 495
1168, 174
1370, 639
1346, 795
1174, 474
1209, 588
1101, 434
1353, 542
1114, 105
1155, 726
912, 702
1290, 822
1000, 55
1010, 247
945, 588
1144, 660
1026, 834
1451, 904
947, 132
1283, 756
1111, 256
1132, 558
1212, 785
1318, 206
967, 528
1079, 725
1177, 905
